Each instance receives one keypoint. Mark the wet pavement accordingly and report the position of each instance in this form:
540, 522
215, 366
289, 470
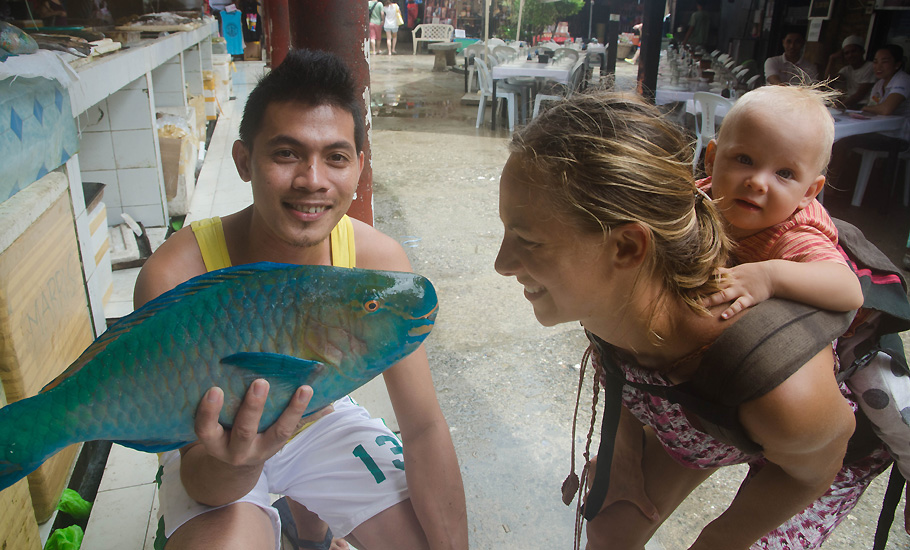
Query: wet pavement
506, 384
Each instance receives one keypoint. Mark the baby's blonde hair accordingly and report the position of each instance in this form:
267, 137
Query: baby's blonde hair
783, 102
607, 159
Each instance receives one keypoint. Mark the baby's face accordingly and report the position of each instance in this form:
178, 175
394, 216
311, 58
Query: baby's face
764, 169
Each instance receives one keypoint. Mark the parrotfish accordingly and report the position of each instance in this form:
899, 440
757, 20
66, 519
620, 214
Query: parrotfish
140, 382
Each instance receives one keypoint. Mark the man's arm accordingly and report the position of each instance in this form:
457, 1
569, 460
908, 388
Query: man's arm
862, 92
803, 426
431, 466
772, 71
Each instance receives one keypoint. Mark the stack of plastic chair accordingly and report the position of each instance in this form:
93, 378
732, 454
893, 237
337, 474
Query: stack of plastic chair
753, 82
574, 84
705, 130
512, 94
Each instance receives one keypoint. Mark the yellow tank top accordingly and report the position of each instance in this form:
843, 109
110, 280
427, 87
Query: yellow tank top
209, 235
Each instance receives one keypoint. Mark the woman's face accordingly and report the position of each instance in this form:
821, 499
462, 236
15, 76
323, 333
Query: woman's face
565, 272
884, 65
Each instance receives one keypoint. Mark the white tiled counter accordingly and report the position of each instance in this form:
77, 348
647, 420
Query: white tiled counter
115, 101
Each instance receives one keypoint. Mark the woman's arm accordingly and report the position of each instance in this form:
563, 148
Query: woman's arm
886, 107
803, 425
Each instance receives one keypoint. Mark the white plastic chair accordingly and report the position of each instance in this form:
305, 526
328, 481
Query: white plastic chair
752, 83
570, 88
504, 53
566, 52
493, 42
474, 50
705, 109
865, 170
511, 94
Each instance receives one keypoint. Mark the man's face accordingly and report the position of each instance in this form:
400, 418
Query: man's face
793, 44
853, 56
303, 167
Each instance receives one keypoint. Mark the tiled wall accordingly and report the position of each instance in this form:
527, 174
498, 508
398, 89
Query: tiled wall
120, 150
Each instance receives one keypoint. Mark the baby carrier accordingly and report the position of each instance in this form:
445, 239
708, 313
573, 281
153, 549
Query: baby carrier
771, 342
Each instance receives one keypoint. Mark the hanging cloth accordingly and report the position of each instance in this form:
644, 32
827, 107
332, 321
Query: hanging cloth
232, 31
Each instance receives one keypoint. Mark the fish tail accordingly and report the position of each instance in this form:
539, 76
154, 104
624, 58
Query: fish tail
29, 435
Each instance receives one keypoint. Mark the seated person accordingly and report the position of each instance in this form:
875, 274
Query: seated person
856, 75
791, 67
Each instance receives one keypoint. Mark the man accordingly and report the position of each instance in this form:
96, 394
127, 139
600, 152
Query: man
856, 75
790, 67
301, 149
699, 26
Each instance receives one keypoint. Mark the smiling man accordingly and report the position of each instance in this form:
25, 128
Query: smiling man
791, 67
301, 149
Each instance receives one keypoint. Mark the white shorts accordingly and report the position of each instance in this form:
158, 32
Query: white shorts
346, 468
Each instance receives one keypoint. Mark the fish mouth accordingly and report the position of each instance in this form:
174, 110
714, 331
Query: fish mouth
424, 328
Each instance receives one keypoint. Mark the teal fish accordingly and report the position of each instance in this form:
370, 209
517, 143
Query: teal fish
139, 383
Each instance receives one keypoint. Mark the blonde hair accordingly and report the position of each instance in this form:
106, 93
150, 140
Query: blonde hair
782, 103
607, 159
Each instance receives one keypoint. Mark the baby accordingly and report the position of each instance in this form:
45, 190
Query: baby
765, 170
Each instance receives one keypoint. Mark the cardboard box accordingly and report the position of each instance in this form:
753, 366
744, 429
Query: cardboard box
197, 102
178, 163
45, 324
252, 52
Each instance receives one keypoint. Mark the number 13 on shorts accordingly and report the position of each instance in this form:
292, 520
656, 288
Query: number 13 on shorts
383, 445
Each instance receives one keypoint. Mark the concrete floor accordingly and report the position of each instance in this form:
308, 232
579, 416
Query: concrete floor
506, 384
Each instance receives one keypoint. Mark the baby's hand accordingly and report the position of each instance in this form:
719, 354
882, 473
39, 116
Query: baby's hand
745, 285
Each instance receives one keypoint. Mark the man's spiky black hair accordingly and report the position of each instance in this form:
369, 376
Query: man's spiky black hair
311, 77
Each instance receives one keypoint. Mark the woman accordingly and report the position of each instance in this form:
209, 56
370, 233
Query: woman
604, 225
390, 23
893, 85
887, 97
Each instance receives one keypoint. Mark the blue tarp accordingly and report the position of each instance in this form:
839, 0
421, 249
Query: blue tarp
37, 131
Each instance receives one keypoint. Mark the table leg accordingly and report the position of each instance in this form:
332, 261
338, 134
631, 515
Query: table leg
493, 106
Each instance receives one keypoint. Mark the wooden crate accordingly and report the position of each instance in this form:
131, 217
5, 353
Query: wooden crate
45, 325
18, 528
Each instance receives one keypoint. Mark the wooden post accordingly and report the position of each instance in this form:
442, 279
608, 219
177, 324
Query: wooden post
341, 27
276, 33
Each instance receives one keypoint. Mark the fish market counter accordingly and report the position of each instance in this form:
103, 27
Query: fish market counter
82, 148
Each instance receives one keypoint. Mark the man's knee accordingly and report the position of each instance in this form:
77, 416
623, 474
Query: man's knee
239, 526
394, 527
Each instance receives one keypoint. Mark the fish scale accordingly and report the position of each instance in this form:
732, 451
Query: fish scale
139, 384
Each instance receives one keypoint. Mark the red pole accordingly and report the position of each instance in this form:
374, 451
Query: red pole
341, 27
276, 31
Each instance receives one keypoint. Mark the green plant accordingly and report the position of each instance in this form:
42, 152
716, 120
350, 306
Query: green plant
537, 16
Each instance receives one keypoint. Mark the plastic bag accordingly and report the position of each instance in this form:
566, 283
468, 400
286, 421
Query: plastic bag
68, 538
74, 505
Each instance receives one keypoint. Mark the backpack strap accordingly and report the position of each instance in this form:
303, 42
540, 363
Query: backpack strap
754, 355
768, 345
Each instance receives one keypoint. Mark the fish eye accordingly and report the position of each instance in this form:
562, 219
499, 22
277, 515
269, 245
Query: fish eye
371, 306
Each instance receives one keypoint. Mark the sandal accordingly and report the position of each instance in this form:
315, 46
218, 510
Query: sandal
289, 529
